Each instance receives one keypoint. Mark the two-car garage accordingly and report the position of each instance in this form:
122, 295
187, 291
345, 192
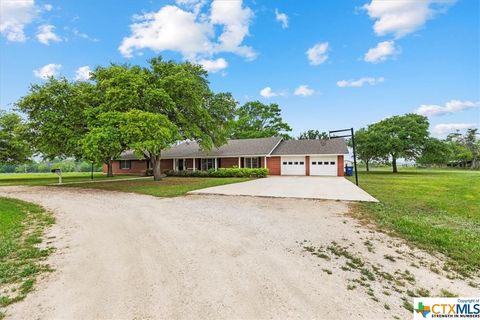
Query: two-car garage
310, 157
318, 165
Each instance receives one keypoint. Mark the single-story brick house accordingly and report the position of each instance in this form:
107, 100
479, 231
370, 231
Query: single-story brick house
281, 157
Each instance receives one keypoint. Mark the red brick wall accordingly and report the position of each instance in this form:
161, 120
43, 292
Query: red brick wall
307, 165
138, 167
273, 165
166, 164
340, 169
262, 162
228, 162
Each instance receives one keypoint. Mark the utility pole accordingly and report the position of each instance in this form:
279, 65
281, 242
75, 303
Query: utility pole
349, 135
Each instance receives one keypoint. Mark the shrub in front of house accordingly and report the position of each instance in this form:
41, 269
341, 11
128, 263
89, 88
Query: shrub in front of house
222, 172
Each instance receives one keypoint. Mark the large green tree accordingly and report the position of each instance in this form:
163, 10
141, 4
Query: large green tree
313, 135
148, 133
14, 145
435, 152
104, 141
471, 141
257, 120
179, 92
401, 136
56, 113
369, 146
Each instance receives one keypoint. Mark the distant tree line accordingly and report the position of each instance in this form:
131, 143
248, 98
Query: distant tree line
67, 165
407, 137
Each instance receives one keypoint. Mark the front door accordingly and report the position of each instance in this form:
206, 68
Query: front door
181, 165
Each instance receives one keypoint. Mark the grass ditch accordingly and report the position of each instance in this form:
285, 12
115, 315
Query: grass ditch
22, 260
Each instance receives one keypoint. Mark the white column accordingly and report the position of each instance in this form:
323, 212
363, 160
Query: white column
215, 164
239, 162
264, 162
174, 164
194, 160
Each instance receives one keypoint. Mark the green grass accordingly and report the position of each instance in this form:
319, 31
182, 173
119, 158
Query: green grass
22, 226
14, 179
438, 210
167, 187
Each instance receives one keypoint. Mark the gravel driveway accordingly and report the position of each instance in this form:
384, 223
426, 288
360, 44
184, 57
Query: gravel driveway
129, 256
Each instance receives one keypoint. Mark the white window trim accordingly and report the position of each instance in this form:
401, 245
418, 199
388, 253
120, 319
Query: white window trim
125, 162
251, 158
214, 163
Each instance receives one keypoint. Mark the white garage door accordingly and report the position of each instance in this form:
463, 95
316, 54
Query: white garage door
293, 166
323, 166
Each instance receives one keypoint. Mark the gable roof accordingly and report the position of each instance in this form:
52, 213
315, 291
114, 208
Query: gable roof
306, 147
252, 147
234, 147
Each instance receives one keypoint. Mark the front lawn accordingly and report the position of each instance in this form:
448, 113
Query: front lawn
15, 179
439, 210
167, 187
22, 226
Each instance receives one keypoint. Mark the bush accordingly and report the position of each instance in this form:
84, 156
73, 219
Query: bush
222, 172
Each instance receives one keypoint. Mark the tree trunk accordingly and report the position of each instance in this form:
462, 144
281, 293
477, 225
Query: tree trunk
394, 164
109, 168
366, 164
157, 172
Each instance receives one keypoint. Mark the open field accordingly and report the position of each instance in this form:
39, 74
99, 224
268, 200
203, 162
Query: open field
22, 225
167, 187
39, 179
439, 210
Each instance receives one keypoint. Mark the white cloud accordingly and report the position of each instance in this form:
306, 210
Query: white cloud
236, 21
49, 70
401, 17
443, 129
304, 91
359, 82
213, 65
48, 7
318, 53
282, 18
46, 34
14, 16
267, 92
381, 52
84, 35
83, 73
452, 106
192, 32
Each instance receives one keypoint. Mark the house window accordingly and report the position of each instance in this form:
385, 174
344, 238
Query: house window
332, 163
302, 163
125, 164
285, 163
290, 162
320, 163
252, 163
314, 162
207, 164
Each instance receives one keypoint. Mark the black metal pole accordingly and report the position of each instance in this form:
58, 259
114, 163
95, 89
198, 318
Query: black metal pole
354, 157
91, 175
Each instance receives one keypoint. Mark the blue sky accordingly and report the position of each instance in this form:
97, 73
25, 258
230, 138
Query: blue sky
328, 64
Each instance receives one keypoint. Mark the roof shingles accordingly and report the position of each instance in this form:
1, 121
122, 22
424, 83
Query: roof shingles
253, 147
